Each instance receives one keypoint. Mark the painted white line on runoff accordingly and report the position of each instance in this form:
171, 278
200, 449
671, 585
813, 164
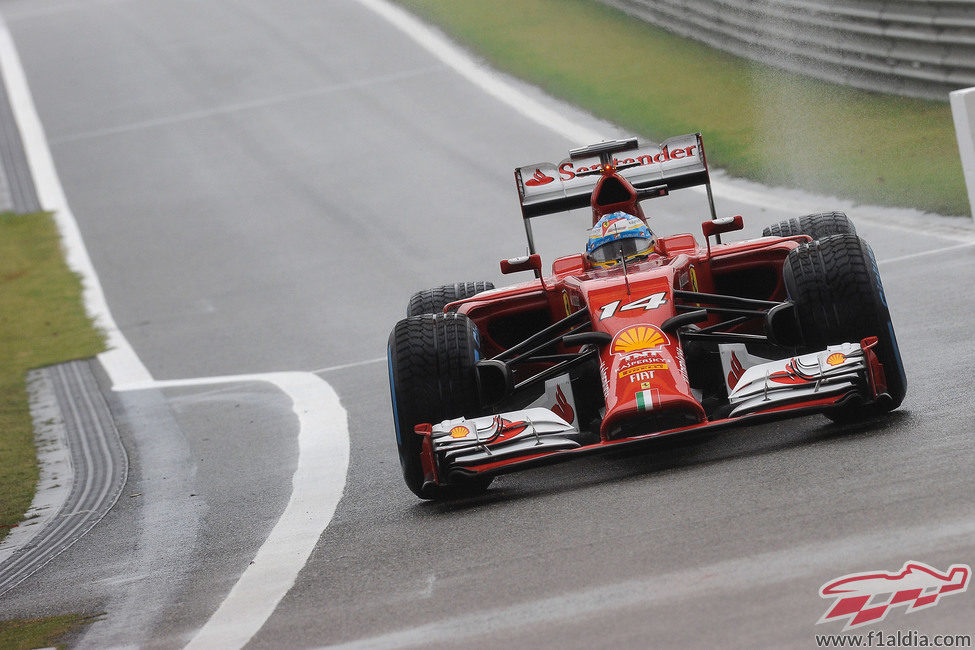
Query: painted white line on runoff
935, 251
229, 109
319, 481
120, 361
317, 486
480, 75
52, 489
323, 436
498, 87
367, 362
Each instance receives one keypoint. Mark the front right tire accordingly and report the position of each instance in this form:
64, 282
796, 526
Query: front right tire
433, 301
839, 298
431, 361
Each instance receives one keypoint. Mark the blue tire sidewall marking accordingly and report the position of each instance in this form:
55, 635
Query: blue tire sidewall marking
890, 325
897, 353
392, 395
876, 275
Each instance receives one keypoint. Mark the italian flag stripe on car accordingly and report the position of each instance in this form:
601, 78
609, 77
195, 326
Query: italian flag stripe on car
644, 399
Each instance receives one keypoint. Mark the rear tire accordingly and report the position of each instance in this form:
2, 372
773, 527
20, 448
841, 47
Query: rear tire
433, 301
431, 377
836, 287
817, 226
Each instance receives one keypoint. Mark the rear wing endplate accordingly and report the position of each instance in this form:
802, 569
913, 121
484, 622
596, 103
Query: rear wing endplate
678, 162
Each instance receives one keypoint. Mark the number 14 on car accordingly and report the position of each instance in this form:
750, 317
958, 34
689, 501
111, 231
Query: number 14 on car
646, 304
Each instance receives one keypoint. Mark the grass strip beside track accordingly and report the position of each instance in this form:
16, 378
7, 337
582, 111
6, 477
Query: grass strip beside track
42, 321
758, 122
40, 632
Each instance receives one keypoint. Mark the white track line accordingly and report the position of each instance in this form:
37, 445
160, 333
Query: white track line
482, 76
934, 251
318, 484
319, 480
120, 361
367, 362
323, 436
230, 109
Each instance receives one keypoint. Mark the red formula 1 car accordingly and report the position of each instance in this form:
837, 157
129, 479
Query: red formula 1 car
689, 337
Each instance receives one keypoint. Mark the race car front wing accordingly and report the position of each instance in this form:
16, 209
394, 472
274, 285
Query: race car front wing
462, 448
837, 370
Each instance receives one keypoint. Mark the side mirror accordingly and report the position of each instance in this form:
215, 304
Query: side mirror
531, 262
725, 224
569, 264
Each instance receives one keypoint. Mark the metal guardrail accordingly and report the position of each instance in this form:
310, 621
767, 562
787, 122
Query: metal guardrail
916, 48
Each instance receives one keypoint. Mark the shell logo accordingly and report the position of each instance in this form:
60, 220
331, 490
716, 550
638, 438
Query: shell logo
835, 359
460, 431
639, 337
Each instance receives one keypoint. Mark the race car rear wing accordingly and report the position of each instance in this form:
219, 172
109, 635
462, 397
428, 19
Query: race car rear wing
676, 163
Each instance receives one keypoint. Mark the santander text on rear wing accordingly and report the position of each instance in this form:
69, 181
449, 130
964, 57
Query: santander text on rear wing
676, 163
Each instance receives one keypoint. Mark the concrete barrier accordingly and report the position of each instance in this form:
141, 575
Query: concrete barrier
963, 111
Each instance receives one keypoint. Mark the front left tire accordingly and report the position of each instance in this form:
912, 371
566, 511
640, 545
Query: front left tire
817, 226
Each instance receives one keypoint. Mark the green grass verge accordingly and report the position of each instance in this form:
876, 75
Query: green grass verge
40, 632
42, 321
758, 122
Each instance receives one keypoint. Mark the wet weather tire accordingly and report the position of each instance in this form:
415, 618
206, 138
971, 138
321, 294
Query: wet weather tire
836, 287
817, 226
431, 378
432, 301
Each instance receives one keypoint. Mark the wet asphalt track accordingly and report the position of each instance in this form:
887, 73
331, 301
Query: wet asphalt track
261, 187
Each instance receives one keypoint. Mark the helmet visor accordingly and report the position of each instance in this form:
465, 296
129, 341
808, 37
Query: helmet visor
609, 253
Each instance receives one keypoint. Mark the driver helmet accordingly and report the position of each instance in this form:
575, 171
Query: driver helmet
616, 231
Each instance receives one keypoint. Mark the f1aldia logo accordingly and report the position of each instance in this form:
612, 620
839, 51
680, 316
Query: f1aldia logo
539, 178
865, 598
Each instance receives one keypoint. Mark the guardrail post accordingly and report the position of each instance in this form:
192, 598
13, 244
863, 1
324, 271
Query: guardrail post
963, 111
